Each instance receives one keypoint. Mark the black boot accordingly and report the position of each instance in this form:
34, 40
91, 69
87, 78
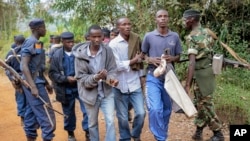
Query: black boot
218, 136
31, 139
198, 134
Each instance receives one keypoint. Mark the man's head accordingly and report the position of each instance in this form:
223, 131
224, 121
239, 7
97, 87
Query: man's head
57, 39
67, 40
124, 26
113, 33
161, 18
19, 39
51, 38
95, 35
190, 17
37, 26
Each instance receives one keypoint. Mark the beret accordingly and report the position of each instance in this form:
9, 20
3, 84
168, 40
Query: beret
36, 22
190, 12
19, 38
67, 35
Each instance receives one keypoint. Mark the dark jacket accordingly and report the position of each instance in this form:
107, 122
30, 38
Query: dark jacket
56, 74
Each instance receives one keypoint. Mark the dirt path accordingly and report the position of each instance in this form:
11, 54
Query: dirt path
180, 129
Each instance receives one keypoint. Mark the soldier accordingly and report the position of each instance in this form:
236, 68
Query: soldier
13, 59
33, 66
61, 72
200, 73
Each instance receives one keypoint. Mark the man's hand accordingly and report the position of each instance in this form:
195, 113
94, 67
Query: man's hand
49, 88
34, 91
71, 79
114, 82
168, 58
101, 75
154, 60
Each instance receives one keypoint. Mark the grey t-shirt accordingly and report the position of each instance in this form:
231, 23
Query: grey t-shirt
154, 45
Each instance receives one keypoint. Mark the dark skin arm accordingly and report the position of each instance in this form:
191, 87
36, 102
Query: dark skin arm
170, 58
27, 74
191, 68
157, 60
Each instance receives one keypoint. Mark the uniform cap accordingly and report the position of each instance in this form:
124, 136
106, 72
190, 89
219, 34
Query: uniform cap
190, 12
67, 35
36, 23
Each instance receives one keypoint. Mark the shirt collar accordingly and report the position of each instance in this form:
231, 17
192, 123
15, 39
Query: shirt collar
120, 38
89, 53
156, 32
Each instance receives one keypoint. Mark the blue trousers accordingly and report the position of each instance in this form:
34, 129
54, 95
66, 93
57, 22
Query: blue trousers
69, 109
159, 107
21, 103
36, 116
122, 101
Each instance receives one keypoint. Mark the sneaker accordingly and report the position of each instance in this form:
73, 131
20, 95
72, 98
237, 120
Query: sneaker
71, 138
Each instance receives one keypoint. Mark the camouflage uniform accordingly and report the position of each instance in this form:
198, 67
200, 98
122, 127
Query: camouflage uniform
200, 43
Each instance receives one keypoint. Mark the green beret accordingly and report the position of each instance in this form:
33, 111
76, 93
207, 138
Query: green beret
190, 12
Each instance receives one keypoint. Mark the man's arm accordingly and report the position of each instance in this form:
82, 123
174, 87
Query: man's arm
27, 74
190, 73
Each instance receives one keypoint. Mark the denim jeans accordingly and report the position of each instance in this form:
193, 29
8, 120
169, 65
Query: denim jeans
122, 101
107, 106
69, 109
159, 107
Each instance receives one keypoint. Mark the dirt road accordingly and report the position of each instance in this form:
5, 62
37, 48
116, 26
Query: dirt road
181, 128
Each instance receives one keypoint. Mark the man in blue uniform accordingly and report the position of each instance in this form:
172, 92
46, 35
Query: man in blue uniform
13, 59
32, 66
62, 72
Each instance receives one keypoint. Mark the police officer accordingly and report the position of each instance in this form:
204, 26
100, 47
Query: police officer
62, 72
13, 60
200, 44
33, 66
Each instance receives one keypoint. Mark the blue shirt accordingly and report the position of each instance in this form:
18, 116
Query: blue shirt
154, 45
37, 61
69, 70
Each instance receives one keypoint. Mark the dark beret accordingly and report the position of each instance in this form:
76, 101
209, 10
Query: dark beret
36, 23
190, 12
20, 38
67, 35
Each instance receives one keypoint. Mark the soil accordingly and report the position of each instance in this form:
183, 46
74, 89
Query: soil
181, 128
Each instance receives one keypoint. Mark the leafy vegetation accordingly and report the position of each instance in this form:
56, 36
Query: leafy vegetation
228, 19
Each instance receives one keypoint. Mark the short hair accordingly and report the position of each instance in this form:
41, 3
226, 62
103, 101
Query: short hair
94, 27
119, 20
115, 30
106, 32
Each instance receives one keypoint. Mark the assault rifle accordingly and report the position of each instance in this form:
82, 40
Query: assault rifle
227, 62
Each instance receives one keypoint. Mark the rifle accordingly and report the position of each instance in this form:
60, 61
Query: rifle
26, 84
226, 62
14, 73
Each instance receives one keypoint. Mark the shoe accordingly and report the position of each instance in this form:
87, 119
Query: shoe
198, 134
136, 139
218, 136
71, 138
87, 136
31, 139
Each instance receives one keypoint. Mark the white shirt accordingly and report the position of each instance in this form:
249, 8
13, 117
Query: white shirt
129, 80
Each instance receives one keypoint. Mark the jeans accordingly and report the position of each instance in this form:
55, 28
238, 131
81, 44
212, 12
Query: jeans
69, 109
106, 104
159, 107
122, 101
35, 114
21, 103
